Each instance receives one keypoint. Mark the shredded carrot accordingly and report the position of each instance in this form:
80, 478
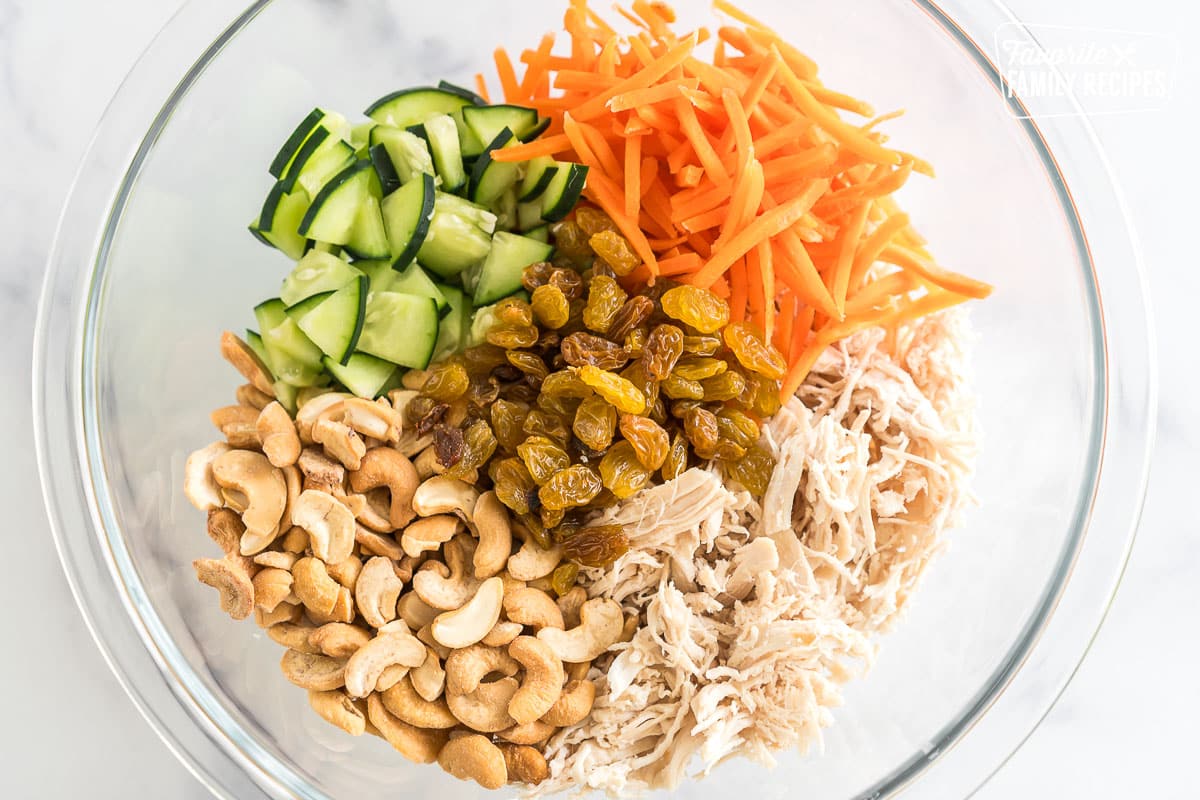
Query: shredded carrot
736, 172
481, 87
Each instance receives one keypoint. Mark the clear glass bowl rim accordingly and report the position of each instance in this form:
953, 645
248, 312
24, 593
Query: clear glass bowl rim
194, 726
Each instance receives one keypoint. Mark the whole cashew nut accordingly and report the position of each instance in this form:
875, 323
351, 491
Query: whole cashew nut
339, 639
467, 625
377, 592
406, 705
199, 485
474, 758
416, 744
376, 419
293, 636
495, 535
340, 441
529, 733
377, 544
248, 395
322, 406
277, 432
429, 679
365, 666
570, 603
271, 587
415, 611
429, 533
502, 634
450, 585
384, 466
485, 709
467, 667
245, 361
320, 469
543, 679
534, 608
312, 584
573, 706
442, 495
599, 629
231, 580
525, 764
339, 710
265, 490
532, 561
284, 612
330, 525
310, 671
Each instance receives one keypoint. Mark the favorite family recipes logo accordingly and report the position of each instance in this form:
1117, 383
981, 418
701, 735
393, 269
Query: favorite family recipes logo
1056, 71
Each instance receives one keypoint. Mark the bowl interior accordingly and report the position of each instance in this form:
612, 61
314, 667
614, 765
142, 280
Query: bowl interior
181, 268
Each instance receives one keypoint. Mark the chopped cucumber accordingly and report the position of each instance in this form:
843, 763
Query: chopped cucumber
379, 272
306, 305
363, 375
332, 122
296, 360
254, 340
286, 394
270, 314
407, 218
490, 179
538, 174
324, 166
564, 191
408, 152
452, 333
414, 106
385, 168
368, 238
279, 222
481, 323
400, 328
486, 122
336, 323
505, 208
466, 94
456, 241
540, 234
324, 247
360, 134
316, 273
529, 216
442, 135
333, 212
414, 280
500, 274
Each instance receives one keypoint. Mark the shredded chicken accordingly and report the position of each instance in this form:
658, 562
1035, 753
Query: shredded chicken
753, 615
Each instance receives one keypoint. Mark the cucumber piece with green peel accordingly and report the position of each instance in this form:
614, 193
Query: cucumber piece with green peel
315, 273
400, 328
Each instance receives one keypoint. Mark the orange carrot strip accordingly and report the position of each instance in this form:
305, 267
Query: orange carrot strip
746, 200
689, 176
796, 61
698, 203
921, 307
951, 281
765, 226
702, 100
609, 55
679, 265
571, 80
766, 263
600, 146
783, 137
801, 328
650, 95
738, 290
838, 100
662, 245
851, 236
810, 164
720, 288
756, 300
690, 126
648, 76
635, 126
843, 200
872, 246
788, 308
508, 78
633, 176
545, 146
705, 221
740, 125
881, 291
757, 87
680, 157
573, 132
481, 87
646, 177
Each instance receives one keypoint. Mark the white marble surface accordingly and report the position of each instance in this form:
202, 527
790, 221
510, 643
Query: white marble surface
1126, 727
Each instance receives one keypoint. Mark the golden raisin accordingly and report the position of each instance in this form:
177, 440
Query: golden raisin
571, 241
550, 307
540, 422
514, 312
753, 470
592, 220
699, 308
447, 382
663, 348
581, 348
633, 313
573, 486
697, 368
678, 388
514, 485
507, 419
542, 457
700, 427
615, 250
529, 363
565, 383
596, 546
635, 373
737, 426
536, 275
605, 298
567, 281
753, 353
762, 396
513, 338
627, 398
701, 345
726, 386
635, 343
650, 442
562, 580
479, 445
595, 423
623, 474
677, 458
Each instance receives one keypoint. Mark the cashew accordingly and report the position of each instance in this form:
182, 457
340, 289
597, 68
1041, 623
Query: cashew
199, 485
450, 585
231, 580
441, 495
525, 764
227, 416
343, 608
294, 636
377, 591
408, 706
295, 541
600, 627
245, 361
495, 535
415, 611
577, 672
338, 639
406, 566
529, 733
365, 666
400, 398
338, 710
411, 445
308, 393
429, 533
340, 441
376, 544
467, 667
415, 744
474, 758
511, 584
375, 419
629, 628
534, 608
247, 395
346, 571
502, 633
284, 612
372, 509
322, 406
573, 705
271, 587
543, 679
311, 671
316, 590
265, 490
225, 528
469, 624
570, 603
532, 561
277, 559
278, 435
415, 379
294, 481
426, 636
320, 469
485, 709
390, 677
235, 500
429, 679
330, 525
427, 464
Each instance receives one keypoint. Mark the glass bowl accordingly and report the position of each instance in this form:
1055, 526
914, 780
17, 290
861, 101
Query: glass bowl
152, 261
